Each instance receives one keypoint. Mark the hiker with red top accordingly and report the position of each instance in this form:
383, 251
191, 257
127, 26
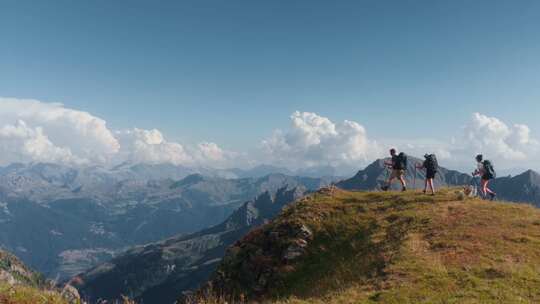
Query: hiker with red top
398, 165
431, 165
486, 171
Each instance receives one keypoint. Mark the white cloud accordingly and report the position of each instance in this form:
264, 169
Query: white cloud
54, 133
20, 142
31, 130
314, 140
493, 137
507, 145
211, 151
35, 131
149, 146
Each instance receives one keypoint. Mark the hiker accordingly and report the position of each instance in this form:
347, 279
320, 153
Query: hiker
431, 165
398, 164
486, 171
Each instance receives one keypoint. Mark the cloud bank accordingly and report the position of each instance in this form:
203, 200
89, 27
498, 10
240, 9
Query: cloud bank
504, 142
35, 131
313, 140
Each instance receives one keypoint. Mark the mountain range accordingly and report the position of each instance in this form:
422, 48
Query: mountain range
157, 272
524, 188
91, 221
62, 220
375, 175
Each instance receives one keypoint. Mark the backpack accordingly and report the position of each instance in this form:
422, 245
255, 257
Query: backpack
401, 162
489, 169
431, 163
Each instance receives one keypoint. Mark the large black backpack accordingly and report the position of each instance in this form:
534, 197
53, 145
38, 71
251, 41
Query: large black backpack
489, 169
401, 161
431, 163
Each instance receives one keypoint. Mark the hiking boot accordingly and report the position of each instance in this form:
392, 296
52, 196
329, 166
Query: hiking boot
492, 196
404, 189
384, 188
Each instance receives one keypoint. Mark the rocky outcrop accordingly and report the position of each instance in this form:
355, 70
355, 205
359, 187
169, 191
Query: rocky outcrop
259, 259
71, 294
256, 263
13, 271
15, 274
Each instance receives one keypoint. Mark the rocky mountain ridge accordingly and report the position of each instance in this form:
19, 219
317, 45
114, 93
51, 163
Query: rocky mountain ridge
158, 272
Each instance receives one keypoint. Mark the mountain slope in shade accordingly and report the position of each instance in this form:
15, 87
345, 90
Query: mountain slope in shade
375, 175
160, 272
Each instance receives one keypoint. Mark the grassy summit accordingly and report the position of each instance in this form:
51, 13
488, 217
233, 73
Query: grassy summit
372, 247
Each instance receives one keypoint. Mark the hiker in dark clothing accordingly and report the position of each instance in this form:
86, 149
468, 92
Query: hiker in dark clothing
431, 165
486, 171
398, 165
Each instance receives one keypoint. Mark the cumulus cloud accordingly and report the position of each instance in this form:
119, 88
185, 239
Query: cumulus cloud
53, 133
211, 151
35, 131
496, 138
149, 146
314, 140
20, 142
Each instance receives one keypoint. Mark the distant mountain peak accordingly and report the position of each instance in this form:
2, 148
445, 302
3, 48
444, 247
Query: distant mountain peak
376, 174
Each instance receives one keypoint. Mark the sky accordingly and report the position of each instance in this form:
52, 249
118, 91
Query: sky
292, 83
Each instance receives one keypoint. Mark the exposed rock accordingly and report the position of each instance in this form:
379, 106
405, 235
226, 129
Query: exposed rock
71, 294
295, 250
13, 271
304, 232
7, 278
255, 264
327, 190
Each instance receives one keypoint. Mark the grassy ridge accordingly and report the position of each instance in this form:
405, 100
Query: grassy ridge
19, 294
371, 247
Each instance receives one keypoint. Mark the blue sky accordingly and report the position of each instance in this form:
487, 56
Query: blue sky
231, 72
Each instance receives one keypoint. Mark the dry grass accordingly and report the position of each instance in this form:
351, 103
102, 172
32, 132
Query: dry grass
373, 247
18, 294
28, 295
